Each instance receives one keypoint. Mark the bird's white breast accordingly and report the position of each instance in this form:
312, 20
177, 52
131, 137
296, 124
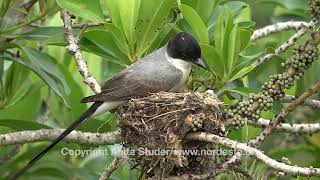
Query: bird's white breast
184, 67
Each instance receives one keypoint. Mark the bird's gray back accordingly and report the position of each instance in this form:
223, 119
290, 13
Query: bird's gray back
151, 74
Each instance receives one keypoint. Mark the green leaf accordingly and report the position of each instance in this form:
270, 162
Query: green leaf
1, 75
4, 5
242, 72
219, 34
245, 91
43, 75
203, 7
90, 10
118, 38
233, 47
28, 107
246, 24
244, 38
42, 34
105, 45
21, 125
124, 15
152, 20
235, 7
299, 154
196, 24
213, 59
45, 62
16, 85
274, 2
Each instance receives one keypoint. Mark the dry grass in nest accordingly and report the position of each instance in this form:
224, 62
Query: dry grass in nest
154, 128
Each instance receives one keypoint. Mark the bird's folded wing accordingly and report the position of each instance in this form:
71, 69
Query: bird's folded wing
136, 83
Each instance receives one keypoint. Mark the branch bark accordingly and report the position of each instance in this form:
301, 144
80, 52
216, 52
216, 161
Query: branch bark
74, 49
110, 168
294, 128
49, 134
283, 47
283, 114
251, 151
310, 102
280, 26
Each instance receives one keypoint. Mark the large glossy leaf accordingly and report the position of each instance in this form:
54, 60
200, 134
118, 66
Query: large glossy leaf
300, 154
124, 15
219, 34
15, 85
244, 38
118, 38
47, 64
42, 34
244, 91
21, 125
42, 74
203, 7
4, 5
152, 17
221, 38
242, 72
213, 59
90, 10
196, 24
235, 7
105, 43
233, 47
28, 107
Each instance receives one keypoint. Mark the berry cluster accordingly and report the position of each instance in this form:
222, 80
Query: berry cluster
314, 8
196, 124
303, 57
302, 60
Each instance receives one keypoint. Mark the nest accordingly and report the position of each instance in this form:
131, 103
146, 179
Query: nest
153, 130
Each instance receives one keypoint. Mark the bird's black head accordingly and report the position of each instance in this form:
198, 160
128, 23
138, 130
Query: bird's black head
184, 46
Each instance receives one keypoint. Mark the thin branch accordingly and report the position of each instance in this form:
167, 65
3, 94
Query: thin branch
283, 47
91, 24
74, 49
310, 102
251, 151
110, 168
294, 128
280, 26
283, 114
22, 137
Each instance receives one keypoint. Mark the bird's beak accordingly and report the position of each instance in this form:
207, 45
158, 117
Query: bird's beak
200, 63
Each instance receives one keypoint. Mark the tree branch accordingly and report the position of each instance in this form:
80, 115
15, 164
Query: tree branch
282, 48
110, 168
280, 26
294, 128
251, 151
310, 102
283, 114
49, 134
74, 49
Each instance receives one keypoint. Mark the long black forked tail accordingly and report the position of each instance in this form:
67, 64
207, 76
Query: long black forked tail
74, 125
